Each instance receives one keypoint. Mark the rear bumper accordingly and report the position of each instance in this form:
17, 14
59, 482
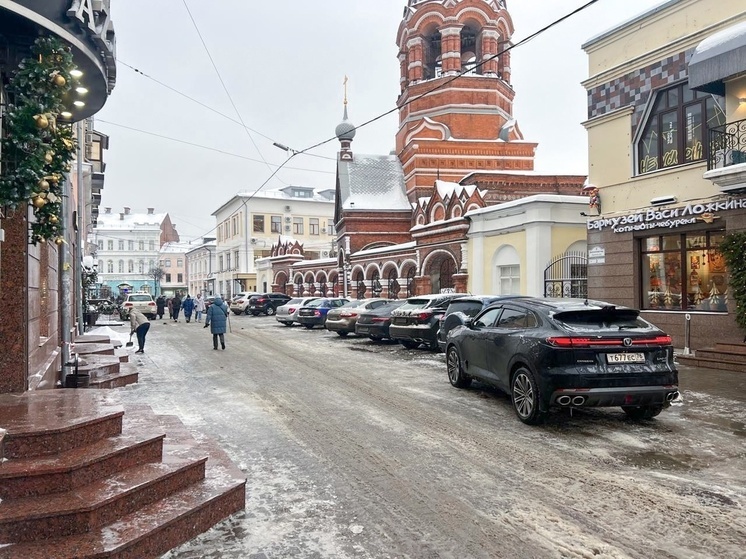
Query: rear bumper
420, 334
372, 330
661, 395
315, 320
339, 325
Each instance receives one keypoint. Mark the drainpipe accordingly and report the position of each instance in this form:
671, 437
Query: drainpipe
65, 271
81, 229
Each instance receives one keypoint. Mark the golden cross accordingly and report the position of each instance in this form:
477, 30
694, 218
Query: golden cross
345, 84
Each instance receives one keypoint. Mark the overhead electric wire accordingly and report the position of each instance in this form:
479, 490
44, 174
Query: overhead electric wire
394, 109
225, 88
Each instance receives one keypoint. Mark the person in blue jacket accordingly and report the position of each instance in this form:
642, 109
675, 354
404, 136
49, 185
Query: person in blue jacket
216, 318
188, 306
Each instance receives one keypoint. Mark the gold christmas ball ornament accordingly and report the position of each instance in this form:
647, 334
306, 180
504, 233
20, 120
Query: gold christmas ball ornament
59, 80
59, 240
49, 158
43, 185
39, 202
41, 121
53, 218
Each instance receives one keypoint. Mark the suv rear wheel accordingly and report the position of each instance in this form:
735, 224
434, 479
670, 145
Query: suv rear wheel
456, 374
270, 310
524, 392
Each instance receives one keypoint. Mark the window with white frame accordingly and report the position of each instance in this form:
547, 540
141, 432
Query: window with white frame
297, 225
121, 245
313, 226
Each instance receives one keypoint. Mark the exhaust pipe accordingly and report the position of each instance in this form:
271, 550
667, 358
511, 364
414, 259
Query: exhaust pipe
563, 400
671, 396
578, 400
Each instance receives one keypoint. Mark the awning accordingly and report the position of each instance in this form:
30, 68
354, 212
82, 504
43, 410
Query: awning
717, 58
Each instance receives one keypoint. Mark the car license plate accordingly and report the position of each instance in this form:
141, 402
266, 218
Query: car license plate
625, 358
363, 329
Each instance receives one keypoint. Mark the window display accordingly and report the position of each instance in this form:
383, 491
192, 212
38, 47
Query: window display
684, 272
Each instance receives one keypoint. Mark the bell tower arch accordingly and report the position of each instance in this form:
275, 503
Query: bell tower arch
456, 99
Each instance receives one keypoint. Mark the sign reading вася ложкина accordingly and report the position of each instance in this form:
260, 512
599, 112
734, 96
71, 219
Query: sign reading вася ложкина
667, 218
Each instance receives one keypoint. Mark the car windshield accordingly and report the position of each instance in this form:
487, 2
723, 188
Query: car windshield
140, 298
415, 304
603, 320
294, 302
316, 303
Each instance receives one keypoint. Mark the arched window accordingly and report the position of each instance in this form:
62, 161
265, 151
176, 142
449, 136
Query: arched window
121, 266
393, 284
447, 269
141, 267
410, 282
130, 266
506, 279
360, 281
375, 282
433, 64
676, 130
110, 266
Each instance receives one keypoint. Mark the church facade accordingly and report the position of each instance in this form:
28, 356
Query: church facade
402, 219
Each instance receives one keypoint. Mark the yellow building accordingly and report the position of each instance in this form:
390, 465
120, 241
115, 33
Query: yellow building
663, 92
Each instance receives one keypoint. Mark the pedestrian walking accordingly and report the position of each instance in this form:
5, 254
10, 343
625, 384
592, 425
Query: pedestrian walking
175, 307
139, 324
170, 307
188, 306
216, 318
160, 306
199, 307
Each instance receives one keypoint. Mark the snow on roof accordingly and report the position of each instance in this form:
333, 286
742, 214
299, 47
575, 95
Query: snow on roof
388, 248
446, 189
720, 42
127, 221
552, 198
372, 182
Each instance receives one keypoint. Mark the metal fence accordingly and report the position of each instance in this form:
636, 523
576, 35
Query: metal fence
566, 275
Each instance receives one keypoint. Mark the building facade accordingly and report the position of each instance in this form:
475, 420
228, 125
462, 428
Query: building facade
41, 282
249, 224
200, 268
403, 219
173, 263
128, 249
653, 135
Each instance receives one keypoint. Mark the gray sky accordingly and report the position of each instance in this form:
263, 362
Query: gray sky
283, 63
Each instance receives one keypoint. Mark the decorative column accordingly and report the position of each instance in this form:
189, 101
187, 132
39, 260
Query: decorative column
403, 71
490, 47
450, 49
415, 54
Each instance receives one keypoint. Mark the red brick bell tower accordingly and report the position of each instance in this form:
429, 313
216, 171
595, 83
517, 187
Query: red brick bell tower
456, 101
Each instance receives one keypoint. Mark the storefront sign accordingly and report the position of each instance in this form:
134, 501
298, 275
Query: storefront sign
597, 255
668, 218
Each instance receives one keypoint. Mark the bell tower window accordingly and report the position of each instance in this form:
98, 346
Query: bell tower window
469, 50
433, 63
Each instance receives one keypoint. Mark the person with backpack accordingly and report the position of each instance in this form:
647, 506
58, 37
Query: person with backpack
216, 318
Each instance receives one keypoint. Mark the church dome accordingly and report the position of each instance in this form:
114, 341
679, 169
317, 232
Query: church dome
345, 130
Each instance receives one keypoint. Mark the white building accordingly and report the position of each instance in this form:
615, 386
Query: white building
128, 246
200, 268
249, 223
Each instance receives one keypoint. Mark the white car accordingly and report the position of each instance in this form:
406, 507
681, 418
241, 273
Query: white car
240, 302
287, 314
143, 302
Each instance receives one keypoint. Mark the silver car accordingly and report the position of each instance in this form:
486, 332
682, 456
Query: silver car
342, 319
287, 314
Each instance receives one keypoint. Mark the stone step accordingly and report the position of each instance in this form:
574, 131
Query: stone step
711, 363
723, 355
139, 443
96, 339
84, 349
115, 380
51, 421
731, 348
152, 530
98, 503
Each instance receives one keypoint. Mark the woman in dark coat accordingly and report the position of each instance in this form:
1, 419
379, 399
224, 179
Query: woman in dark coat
216, 318
175, 307
188, 306
160, 306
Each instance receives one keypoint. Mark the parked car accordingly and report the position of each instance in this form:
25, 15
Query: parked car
462, 309
342, 319
375, 323
240, 302
287, 314
314, 312
267, 303
143, 302
566, 353
416, 321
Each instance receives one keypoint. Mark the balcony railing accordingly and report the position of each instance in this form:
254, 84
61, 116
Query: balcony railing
727, 145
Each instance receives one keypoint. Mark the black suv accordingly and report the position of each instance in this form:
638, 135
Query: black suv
464, 308
416, 321
267, 303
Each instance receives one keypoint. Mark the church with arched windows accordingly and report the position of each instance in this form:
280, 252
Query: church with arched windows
403, 219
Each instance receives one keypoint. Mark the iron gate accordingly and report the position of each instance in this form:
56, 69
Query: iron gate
566, 275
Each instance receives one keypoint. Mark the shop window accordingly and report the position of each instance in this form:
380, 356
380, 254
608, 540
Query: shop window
684, 272
675, 131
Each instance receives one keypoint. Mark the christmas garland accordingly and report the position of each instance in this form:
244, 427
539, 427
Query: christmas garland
36, 150
733, 249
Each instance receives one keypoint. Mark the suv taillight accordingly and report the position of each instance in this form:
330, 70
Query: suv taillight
589, 342
128, 304
424, 316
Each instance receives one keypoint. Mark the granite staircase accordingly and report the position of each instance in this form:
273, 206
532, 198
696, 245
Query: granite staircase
82, 476
103, 362
724, 356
